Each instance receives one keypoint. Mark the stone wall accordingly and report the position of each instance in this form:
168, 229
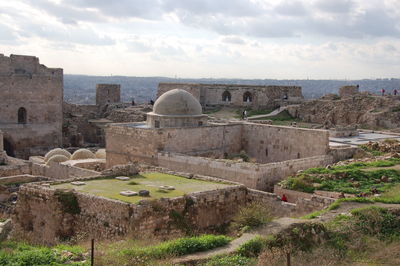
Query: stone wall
133, 143
61, 171
268, 143
253, 175
40, 217
14, 167
216, 94
263, 143
31, 105
344, 152
108, 93
348, 91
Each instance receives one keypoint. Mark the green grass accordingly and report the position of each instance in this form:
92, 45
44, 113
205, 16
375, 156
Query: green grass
353, 178
178, 247
231, 260
110, 188
20, 254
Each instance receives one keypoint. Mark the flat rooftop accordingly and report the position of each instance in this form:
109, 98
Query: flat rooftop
362, 138
111, 187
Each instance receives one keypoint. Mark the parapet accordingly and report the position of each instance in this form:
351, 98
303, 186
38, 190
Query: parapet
25, 65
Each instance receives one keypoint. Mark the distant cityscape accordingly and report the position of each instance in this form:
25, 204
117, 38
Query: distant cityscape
81, 89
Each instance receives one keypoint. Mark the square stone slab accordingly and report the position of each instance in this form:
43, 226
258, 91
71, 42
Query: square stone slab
128, 193
78, 183
167, 187
123, 178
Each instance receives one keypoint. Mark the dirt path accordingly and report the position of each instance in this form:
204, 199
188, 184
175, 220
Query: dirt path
273, 113
275, 227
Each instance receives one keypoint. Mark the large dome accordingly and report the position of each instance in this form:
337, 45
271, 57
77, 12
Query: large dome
177, 102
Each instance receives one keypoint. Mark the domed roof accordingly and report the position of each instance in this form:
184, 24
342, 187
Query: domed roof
177, 102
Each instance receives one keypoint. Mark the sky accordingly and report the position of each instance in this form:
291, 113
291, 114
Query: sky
267, 39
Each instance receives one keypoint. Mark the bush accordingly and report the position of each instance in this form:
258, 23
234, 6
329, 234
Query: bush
179, 247
376, 221
230, 260
251, 216
252, 248
68, 201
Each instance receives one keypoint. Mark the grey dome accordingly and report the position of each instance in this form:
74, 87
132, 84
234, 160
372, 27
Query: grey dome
177, 102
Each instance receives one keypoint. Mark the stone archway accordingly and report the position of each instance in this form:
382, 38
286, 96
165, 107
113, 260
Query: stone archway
9, 147
247, 97
226, 96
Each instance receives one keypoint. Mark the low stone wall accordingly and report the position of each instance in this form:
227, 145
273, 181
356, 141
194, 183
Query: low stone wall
307, 202
40, 216
19, 179
343, 152
252, 175
61, 171
14, 167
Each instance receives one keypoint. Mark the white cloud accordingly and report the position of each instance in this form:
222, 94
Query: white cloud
205, 38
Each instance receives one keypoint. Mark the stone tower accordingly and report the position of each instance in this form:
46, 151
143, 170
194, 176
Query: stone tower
108, 93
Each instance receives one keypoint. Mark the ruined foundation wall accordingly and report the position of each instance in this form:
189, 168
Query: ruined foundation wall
61, 171
255, 176
39, 214
41, 218
268, 143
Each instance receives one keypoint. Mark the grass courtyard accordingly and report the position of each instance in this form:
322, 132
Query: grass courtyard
111, 187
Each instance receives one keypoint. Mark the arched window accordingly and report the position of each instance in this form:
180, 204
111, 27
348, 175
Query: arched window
247, 97
226, 96
22, 115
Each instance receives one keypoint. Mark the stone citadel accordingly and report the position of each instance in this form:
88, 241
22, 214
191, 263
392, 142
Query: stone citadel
113, 170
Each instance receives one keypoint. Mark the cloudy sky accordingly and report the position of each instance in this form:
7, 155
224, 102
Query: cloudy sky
284, 39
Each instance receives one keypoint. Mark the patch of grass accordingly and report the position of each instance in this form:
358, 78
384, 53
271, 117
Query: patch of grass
352, 178
251, 216
19, 253
110, 188
179, 247
282, 116
231, 260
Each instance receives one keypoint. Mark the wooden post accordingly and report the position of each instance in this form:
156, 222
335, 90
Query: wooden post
92, 254
288, 258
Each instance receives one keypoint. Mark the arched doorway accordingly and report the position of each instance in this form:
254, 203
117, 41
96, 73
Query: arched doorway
9, 147
226, 96
22, 117
247, 97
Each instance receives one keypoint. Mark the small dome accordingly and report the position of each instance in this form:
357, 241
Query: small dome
177, 102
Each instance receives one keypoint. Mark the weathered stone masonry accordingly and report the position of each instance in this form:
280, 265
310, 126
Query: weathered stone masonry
31, 105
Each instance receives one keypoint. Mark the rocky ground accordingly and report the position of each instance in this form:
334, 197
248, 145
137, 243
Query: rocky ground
367, 111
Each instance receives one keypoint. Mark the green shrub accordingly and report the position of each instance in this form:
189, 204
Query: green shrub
230, 260
21, 254
376, 221
252, 248
69, 201
179, 247
251, 216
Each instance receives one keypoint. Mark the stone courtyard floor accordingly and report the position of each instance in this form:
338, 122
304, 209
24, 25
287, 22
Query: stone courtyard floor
111, 187
363, 138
